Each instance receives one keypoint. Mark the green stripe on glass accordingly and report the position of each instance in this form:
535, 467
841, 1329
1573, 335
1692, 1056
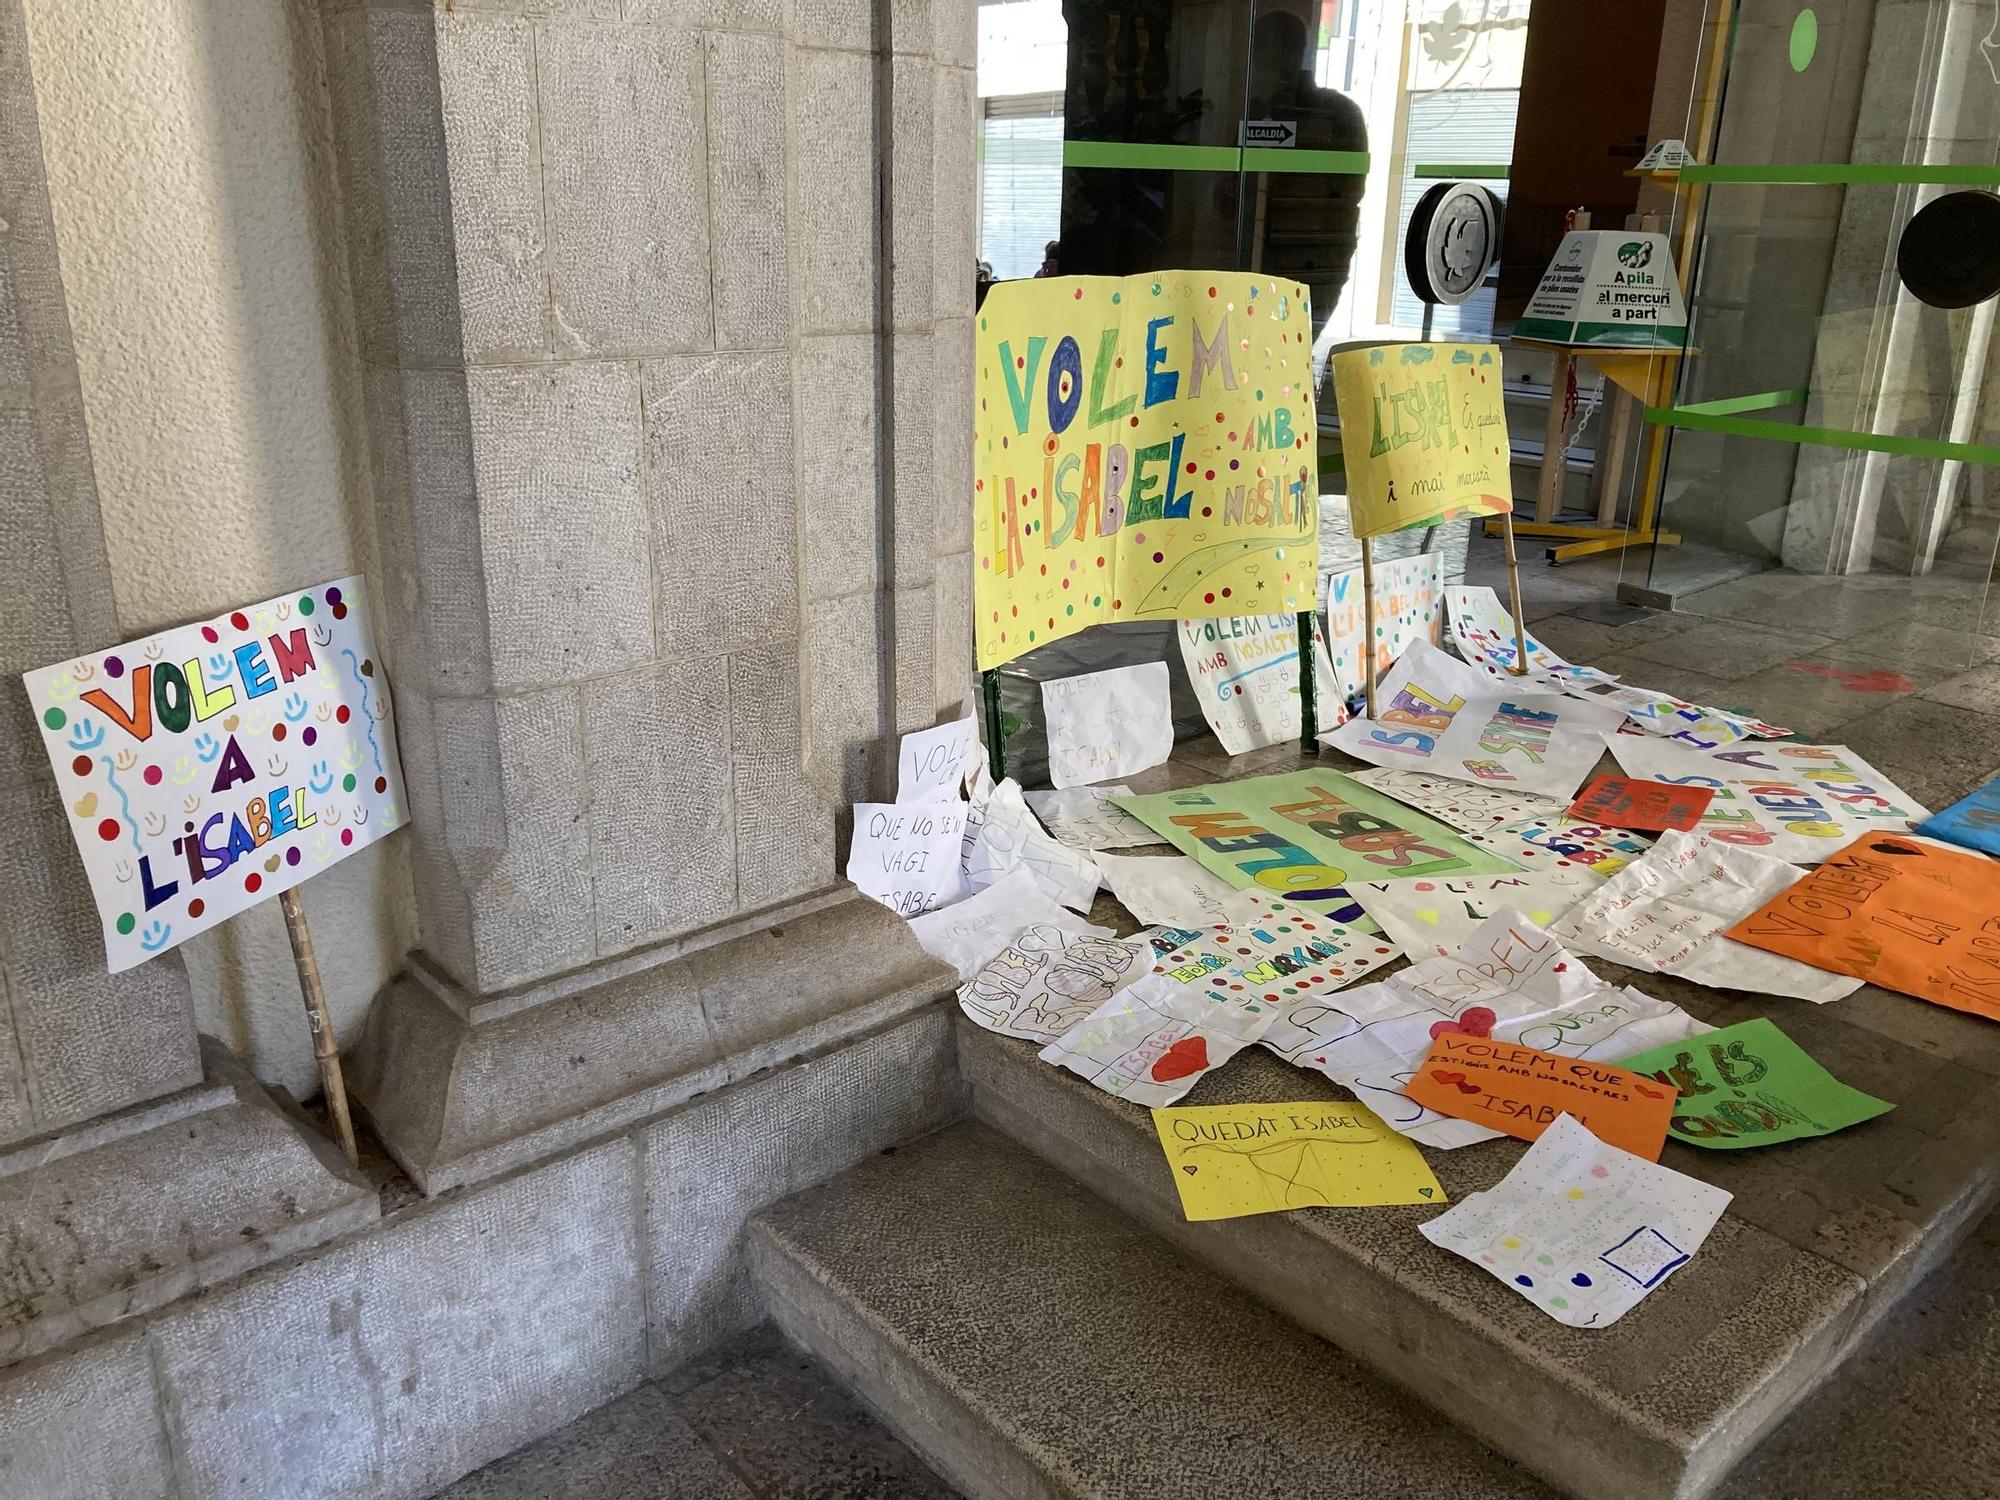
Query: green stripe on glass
1822, 437
1775, 174
1487, 171
1729, 405
1127, 156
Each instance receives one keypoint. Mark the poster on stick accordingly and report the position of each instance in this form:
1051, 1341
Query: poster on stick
1245, 673
215, 765
1409, 607
1144, 450
1423, 433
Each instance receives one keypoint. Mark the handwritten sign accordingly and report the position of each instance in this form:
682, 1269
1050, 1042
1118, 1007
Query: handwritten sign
1522, 1091
1465, 805
1437, 916
213, 766
1245, 674
1751, 1085
1105, 724
906, 854
1002, 836
1581, 1229
1233, 1160
1973, 821
1144, 450
1799, 802
1048, 979
1898, 912
1304, 835
1483, 629
930, 764
1654, 806
1409, 607
1537, 843
1423, 432
1155, 1039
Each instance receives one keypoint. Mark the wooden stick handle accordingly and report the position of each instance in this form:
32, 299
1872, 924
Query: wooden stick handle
1514, 588
326, 1051
1368, 621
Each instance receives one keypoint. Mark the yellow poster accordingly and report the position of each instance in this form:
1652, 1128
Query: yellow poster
1423, 432
1231, 1160
1145, 448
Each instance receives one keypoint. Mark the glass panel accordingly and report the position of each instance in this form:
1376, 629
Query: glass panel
1829, 453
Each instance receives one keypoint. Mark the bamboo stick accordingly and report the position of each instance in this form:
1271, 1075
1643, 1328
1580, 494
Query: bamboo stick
326, 1051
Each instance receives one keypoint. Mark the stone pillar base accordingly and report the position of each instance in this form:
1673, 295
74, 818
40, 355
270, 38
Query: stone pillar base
116, 1217
461, 1087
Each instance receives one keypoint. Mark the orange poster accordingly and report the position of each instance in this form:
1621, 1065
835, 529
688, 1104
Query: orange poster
1898, 912
1521, 1090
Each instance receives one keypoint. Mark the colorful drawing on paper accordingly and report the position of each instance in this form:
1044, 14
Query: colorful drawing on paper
1409, 607
1648, 806
1423, 433
212, 766
1522, 1091
1155, 1039
1232, 1160
1144, 449
1048, 979
1972, 822
1437, 916
1245, 674
1581, 1229
1465, 805
1437, 714
1304, 835
1908, 915
1283, 959
1799, 802
1483, 629
1537, 843
1751, 1085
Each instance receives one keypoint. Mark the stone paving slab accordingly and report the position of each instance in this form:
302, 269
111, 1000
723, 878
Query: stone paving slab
1033, 1342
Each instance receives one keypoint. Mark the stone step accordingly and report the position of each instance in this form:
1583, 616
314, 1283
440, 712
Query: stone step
1033, 1343
1821, 1237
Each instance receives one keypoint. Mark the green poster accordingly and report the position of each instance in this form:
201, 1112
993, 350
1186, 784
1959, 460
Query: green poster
1751, 1085
1305, 834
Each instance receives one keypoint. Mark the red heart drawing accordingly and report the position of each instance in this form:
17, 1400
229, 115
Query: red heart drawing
1477, 1021
1649, 1093
1188, 1055
1456, 1080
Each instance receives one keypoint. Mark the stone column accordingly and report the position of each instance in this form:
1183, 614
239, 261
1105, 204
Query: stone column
135, 1163
665, 309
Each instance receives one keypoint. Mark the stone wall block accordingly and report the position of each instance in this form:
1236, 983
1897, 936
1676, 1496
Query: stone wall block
395, 185
747, 190
486, 84
627, 189
88, 1041
711, 15
913, 479
953, 367
564, 551
84, 1425
388, 1366
835, 23
712, 1164
836, 199
443, 895
513, 806
955, 32
955, 685
913, 252
846, 757
955, 191
911, 29
915, 611
784, 823
561, 10
661, 815
839, 483
719, 483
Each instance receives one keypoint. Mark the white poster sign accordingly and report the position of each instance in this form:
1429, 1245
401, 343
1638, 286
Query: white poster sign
1581, 1229
1440, 715
1666, 913
1464, 805
1245, 673
906, 854
1047, 980
1155, 1039
1409, 607
1540, 843
1172, 890
1608, 289
1439, 916
1511, 981
1483, 630
1103, 725
968, 933
210, 767
1084, 817
1001, 836
1801, 803
931, 764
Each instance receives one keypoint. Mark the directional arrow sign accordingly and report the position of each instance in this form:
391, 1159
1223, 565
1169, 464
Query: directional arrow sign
1270, 133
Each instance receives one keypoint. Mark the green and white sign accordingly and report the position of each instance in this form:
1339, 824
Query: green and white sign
1608, 289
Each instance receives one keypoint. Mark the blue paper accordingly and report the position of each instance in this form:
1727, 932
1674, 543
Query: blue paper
1973, 822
